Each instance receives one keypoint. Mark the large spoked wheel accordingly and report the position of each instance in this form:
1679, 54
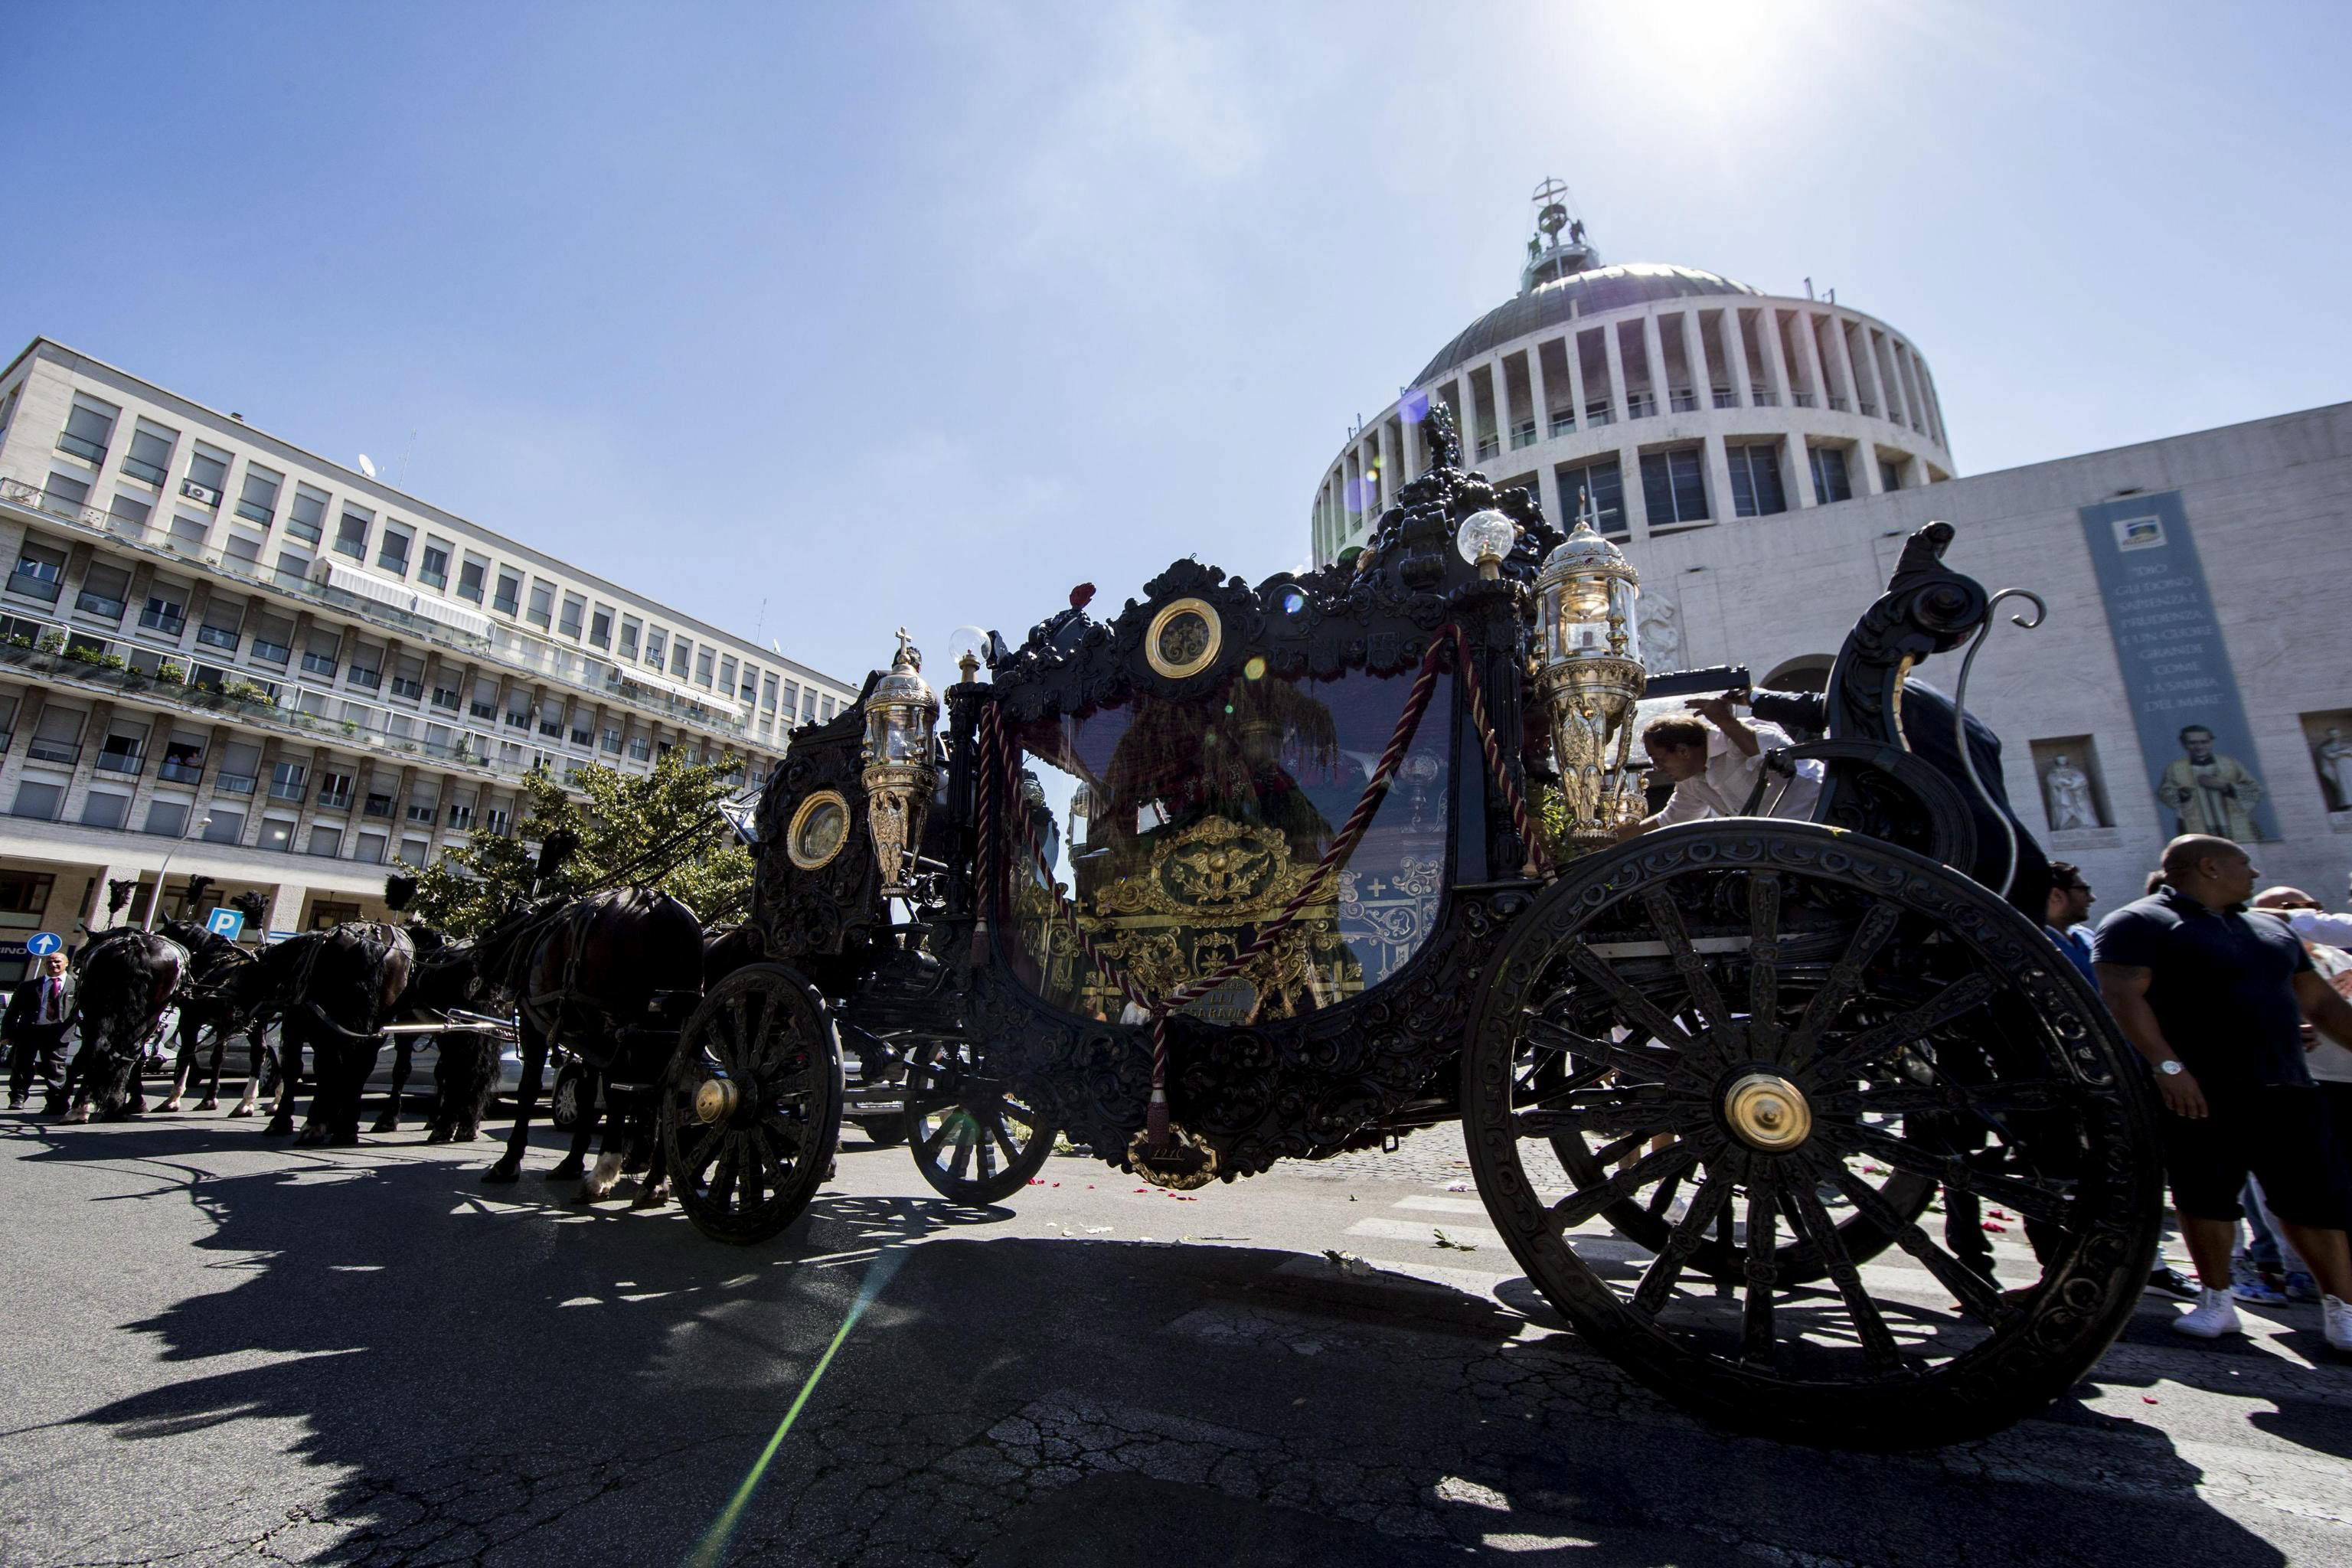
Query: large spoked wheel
1786, 1016
975, 1138
750, 1109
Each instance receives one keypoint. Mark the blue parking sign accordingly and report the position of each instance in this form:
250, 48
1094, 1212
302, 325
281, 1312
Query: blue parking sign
225, 922
42, 943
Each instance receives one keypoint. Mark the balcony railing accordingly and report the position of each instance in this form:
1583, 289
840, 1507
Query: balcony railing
234, 783
270, 652
1598, 414
334, 800
1841, 404
179, 773
169, 625
1802, 399
1489, 447
1640, 405
39, 749
128, 762
319, 664
1563, 424
218, 636
1868, 410
365, 679
508, 648
1725, 399
254, 512
1762, 397
1682, 402
69, 442
99, 604
150, 472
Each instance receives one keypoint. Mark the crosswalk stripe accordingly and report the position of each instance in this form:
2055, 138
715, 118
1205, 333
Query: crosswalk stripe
1422, 1231
1441, 1206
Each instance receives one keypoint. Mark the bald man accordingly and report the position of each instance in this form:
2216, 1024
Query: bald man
2215, 998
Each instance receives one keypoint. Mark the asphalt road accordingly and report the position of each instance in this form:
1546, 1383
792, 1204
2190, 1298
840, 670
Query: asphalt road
216, 1348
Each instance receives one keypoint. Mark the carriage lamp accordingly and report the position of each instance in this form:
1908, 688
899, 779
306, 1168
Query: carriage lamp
901, 718
1589, 677
1483, 539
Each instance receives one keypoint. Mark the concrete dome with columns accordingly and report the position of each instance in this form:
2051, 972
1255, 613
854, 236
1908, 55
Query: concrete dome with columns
1670, 398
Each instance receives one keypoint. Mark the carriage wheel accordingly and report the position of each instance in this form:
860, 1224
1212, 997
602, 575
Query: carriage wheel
883, 1131
1584, 1149
750, 1108
1801, 1005
975, 1137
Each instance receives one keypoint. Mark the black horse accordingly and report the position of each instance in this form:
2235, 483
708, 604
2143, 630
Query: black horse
448, 976
127, 977
204, 1004
333, 991
599, 975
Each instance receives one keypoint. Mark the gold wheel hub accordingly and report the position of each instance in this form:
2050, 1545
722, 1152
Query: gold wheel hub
1767, 1112
716, 1100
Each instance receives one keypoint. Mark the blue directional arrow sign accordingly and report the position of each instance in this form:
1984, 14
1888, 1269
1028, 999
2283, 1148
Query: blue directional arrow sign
42, 943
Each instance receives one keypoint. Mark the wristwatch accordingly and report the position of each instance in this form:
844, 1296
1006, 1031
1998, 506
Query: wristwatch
2172, 1069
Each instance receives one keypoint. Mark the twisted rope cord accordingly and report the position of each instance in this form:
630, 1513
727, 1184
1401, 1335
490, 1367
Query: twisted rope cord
999, 772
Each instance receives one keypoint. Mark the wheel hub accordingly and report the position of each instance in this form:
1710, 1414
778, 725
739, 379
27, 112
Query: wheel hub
716, 1100
1767, 1111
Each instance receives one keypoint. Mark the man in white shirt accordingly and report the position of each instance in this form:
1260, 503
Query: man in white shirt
1714, 770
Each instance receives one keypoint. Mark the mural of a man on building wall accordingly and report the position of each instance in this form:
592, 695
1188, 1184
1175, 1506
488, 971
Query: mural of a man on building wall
2210, 794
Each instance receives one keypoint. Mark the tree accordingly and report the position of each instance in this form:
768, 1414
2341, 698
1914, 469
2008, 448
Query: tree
671, 815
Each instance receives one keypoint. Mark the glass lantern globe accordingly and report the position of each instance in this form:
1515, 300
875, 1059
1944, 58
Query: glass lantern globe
968, 651
1486, 537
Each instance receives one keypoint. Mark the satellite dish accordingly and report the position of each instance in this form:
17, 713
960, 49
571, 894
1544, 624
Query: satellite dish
366, 467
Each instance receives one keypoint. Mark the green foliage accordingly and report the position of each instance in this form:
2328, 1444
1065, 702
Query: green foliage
52, 640
244, 691
624, 817
173, 672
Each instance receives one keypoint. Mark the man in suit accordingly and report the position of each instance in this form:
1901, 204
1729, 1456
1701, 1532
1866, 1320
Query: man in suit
35, 1027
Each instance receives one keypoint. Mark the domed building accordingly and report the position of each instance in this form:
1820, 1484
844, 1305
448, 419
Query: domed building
1674, 398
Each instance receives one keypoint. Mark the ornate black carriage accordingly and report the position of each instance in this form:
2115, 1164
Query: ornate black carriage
1248, 872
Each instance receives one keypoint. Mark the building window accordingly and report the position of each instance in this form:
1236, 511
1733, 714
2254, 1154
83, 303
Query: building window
1599, 485
702, 667
1755, 489
415, 850
352, 534
120, 754
575, 608
102, 809
166, 612
370, 849
276, 831
508, 598
40, 573
307, 519
392, 553
65, 495
640, 747
225, 827
38, 800
326, 841
102, 588
470, 576
829, 709
792, 698
727, 674
542, 602
287, 781
768, 693
150, 457
656, 640
600, 627
208, 471
129, 514
630, 627
750, 690
1890, 475
1830, 480
681, 656
461, 815
1674, 487
259, 503
335, 791
88, 429
184, 762
495, 819
432, 565
611, 739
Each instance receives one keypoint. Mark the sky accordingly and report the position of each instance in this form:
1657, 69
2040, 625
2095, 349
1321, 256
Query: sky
814, 321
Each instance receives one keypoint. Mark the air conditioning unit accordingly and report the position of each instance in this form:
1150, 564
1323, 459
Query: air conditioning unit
196, 491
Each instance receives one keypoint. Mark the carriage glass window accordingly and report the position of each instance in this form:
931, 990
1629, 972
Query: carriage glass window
1182, 829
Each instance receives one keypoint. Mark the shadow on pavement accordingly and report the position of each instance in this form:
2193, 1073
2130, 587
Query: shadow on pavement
499, 1374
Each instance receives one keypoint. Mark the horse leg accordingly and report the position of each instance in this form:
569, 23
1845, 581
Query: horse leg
256, 1053
404, 1052
210, 1100
290, 1082
72, 1098
480, 1088
620, 1137
534, 1068
183, 1064
343, 1126
575, 1161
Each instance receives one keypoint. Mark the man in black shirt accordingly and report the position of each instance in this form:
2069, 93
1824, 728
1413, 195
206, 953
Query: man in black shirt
2215, 998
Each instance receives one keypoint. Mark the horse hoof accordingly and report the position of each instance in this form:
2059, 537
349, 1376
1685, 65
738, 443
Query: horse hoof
438, 1135
501, 1173
236, 1111
208, 1103
167, 1108
651, 1197
466, 1135
77, 1115
386, 1124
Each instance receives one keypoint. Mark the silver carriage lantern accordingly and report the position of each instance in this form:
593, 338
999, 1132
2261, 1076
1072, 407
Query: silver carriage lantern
1588, 676
901, 718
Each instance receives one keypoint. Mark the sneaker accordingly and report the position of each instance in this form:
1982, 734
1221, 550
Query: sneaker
2302, 1286
2335, 1316
2247, 1284
2215, 1315
2173, 1282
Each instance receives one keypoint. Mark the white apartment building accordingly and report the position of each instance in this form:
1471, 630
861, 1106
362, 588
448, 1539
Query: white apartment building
222, 653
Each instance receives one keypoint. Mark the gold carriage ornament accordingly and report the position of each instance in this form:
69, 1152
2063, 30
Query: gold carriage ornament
901, 718
1589, 677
